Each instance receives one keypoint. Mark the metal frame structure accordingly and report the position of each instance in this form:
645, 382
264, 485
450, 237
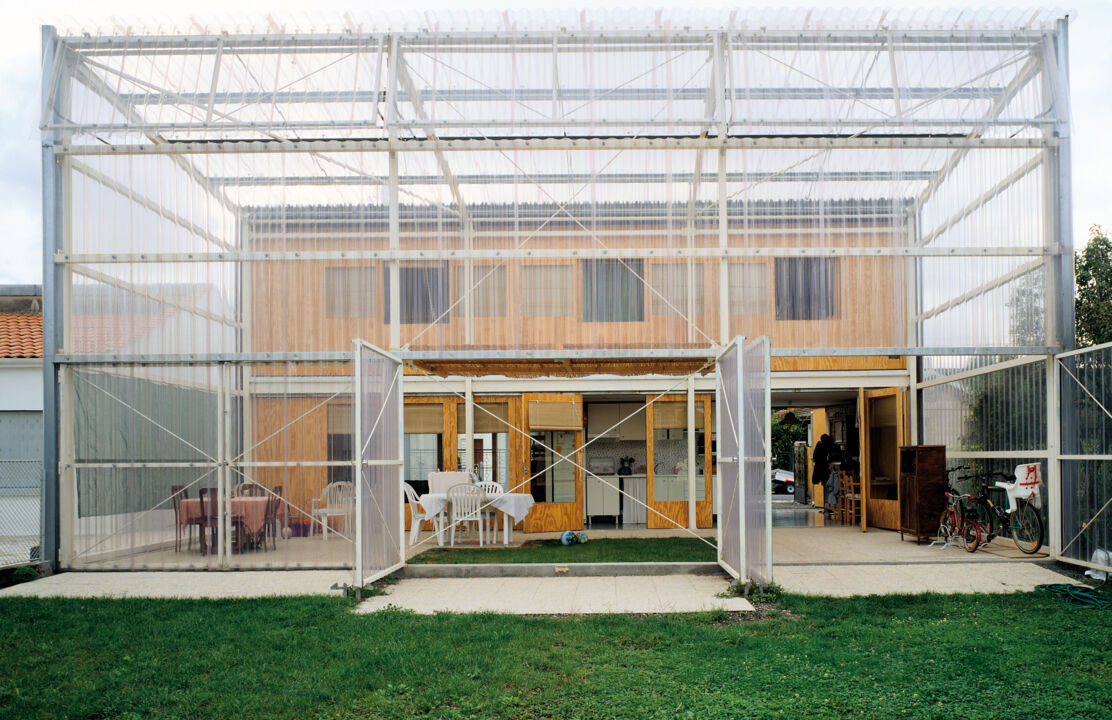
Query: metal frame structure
194, 147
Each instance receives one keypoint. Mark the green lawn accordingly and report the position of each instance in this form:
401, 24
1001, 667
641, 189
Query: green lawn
667, 549
984, 657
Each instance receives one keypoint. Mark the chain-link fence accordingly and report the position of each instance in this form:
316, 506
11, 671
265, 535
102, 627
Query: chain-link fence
20, 511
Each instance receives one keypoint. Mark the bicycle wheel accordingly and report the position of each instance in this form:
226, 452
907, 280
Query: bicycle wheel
986, 519
1027, 528
946, 525
970, 535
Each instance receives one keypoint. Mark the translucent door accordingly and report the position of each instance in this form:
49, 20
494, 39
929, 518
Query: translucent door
377, 438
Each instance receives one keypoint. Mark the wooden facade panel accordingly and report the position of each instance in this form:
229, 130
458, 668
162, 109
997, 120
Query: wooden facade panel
306, 439
289, 298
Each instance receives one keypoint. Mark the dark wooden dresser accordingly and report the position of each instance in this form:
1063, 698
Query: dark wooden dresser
922, 490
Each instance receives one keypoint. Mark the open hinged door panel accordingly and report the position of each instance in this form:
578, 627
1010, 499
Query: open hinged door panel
883, 426
378, 429
554, 461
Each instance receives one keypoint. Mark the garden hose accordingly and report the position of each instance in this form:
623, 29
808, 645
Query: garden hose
1080, 596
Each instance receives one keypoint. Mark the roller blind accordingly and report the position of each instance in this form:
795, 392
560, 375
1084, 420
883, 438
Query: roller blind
424, 419
488, 296
674, 414
555, 415
339, 419
670, 281
349, 292
546, 290
484, 423
748, 288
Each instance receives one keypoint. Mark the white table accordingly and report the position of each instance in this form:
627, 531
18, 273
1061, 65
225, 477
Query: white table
512, 505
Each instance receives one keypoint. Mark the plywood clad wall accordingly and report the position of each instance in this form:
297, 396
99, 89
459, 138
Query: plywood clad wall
289, 298
304, 440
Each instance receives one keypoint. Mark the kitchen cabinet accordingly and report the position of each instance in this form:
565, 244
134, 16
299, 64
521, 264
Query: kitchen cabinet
672, 488
603, 498
602, 417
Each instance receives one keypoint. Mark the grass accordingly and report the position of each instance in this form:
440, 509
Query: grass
985, 657
668, 549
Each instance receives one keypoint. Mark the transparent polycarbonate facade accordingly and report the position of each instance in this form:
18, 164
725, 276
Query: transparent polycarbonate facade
381, 523
755, 458
227, 209
143, 441
729, 419
847, 183
995, 411
1086, 382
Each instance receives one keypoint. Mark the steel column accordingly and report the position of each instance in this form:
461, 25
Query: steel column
53, 203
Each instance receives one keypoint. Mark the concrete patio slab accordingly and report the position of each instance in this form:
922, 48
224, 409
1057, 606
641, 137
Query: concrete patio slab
242, 584
560, 595
915, 577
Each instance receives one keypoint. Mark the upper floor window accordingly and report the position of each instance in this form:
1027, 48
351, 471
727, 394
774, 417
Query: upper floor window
806, 288
349, 292
424, 294
671, 282
487, 290
546, 290
748, 288
613, 290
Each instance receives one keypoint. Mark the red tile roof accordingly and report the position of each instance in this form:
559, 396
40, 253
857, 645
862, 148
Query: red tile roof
20, 335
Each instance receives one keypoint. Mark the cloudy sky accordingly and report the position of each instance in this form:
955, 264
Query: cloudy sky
20, 153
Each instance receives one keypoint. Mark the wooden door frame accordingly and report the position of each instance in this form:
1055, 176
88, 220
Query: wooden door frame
865, 442
545, 516
704, 510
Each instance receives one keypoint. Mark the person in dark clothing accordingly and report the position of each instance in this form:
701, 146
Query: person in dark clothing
824, 452
821, 457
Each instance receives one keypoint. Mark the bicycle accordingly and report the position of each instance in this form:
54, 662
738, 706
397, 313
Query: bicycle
956, 523
1022, 519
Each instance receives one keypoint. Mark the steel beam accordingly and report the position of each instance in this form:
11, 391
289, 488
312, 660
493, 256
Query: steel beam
560, 254
545, 95
576, 40
645, 178
678, 142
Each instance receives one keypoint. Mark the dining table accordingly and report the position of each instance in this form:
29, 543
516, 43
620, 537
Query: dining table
250, 509
513, 506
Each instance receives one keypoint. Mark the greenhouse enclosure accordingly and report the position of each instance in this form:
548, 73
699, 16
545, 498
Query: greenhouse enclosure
553, 225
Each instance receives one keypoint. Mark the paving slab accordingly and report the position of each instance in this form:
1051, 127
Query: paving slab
137, 584
918, 577
559, 595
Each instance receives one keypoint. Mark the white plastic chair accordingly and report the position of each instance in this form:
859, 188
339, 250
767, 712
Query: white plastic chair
490, 513
418, 518
439, 482
337, 500
465, 500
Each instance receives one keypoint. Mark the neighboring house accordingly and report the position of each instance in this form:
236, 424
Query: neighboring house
21, 423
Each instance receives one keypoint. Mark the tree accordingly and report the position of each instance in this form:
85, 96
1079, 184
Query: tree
1093, 276
784, 438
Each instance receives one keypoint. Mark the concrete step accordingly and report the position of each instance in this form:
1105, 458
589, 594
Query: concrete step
617, 569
